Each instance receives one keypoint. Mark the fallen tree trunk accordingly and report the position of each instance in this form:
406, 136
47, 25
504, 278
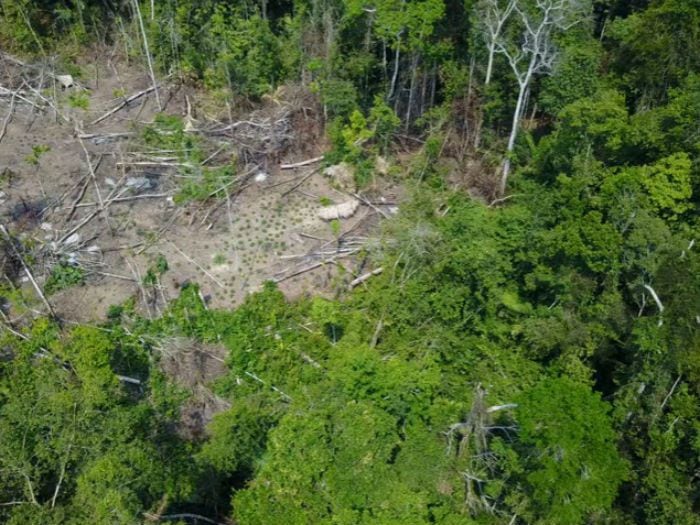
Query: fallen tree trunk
362, 278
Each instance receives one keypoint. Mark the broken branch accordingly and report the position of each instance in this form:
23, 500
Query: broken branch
368, 203
362, 278
126, 102
303, 179
7, 118
301, 164
197, 265
27, 271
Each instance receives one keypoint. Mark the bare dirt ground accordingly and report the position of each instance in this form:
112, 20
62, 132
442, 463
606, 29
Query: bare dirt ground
72, 193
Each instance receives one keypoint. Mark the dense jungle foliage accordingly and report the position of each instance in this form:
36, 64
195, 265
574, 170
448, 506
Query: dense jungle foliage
528, 357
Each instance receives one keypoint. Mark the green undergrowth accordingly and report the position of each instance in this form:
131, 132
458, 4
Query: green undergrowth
493, 364
197, 182
358, 139
63, 276
365, 395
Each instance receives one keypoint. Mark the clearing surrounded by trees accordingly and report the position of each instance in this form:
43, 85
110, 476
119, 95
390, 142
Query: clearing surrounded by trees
350, 262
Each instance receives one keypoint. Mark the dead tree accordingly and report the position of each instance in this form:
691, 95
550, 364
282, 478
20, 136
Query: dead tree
473, 447
492, 16
535, 53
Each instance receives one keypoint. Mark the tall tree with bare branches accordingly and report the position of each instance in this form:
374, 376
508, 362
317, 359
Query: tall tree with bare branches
492, 16
533, 52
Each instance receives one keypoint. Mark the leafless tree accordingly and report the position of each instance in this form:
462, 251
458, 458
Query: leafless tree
492, 16
472, 437
535, 52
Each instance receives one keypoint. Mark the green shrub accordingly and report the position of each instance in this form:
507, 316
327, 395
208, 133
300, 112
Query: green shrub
79, 99
63, 276
36, 154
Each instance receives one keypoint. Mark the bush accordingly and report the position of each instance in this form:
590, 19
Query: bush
63, 276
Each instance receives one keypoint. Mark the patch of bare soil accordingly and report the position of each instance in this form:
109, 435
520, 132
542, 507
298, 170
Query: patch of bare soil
80, 188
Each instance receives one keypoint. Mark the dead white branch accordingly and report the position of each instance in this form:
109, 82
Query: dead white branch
307, 358
299, 183
670, 392
690, 247
91, 169
94, 214
362, 278
368, 203
496, 408
18, 93
49, 103
147, 51
273, 387
535, 54
330, 260
659, 305
97, 138
126, 379
14, 249
124, 103
492, 16
125, 199
301, 164
218, 283
304, 270
7, 118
